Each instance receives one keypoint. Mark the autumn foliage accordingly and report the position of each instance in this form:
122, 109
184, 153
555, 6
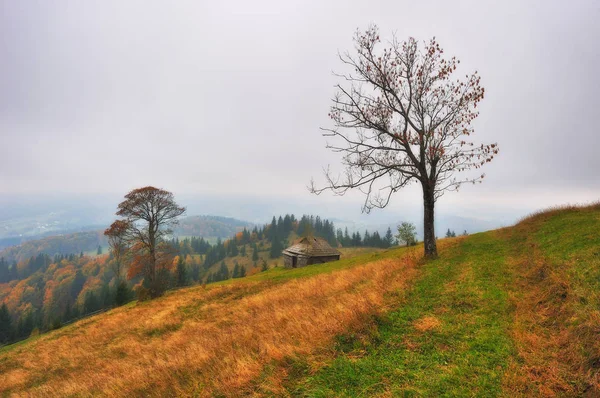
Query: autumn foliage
148, 213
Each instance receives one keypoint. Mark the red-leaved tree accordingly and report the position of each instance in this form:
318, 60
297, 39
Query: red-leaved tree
148, 214
401, 117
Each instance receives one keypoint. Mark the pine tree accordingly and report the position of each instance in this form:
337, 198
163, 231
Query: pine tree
181, 272
77, 284
195, 272
67, 315
91, 303
105, 297
236, 270
123, 293
4, 271
27, 325
388, 238
5, 325
223, 272
99, 251
367, 239
340, 236
276, 248
273, 230
75, 312
242, 271
264, 266
347, 240
280, 227
254, 252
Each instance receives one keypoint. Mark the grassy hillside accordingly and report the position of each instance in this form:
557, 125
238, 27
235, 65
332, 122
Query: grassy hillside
511, 312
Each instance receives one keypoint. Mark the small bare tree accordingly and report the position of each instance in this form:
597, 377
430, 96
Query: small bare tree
149, 213
398, 119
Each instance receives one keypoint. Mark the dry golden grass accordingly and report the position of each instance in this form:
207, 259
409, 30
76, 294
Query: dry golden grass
541, 335
202, 342
355, 251
545, 214
427, 323
556, 336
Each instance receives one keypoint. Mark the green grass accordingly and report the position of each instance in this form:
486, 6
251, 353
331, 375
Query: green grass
464, 355
454, 333
572, 240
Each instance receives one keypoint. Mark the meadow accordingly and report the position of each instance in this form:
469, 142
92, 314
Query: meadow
208, 340
510, 312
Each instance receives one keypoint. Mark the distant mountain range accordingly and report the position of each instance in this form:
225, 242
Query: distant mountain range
29, 217
57, 242
210, 226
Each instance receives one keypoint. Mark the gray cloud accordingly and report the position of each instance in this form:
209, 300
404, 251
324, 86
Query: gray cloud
228, 97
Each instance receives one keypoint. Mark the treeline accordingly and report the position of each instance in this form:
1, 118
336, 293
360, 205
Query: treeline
8, 273
24, 269
250, 241
43, 293
367, 240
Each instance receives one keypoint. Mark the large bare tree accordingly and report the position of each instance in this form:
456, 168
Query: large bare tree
399, 118
149, 213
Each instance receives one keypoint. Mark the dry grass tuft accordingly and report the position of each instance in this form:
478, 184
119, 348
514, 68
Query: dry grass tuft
203, 342
427, 323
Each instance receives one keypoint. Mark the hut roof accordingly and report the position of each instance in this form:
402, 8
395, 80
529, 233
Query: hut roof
311, 247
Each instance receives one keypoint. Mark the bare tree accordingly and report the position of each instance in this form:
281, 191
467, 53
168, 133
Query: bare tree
400, 119
117, 244
149, 213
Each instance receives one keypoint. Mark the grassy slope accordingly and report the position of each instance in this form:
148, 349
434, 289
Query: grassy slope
450, 338
512, 312
206, 341
503, 313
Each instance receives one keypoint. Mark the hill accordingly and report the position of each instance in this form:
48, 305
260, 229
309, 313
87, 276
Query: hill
210, 226
508, 312
55, 245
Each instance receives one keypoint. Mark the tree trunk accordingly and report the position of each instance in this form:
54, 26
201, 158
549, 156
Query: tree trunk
428, 223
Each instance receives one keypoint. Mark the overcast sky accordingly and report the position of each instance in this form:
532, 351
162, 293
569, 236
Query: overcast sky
227, 97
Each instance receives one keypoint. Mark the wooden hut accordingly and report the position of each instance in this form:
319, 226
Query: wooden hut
308, 251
